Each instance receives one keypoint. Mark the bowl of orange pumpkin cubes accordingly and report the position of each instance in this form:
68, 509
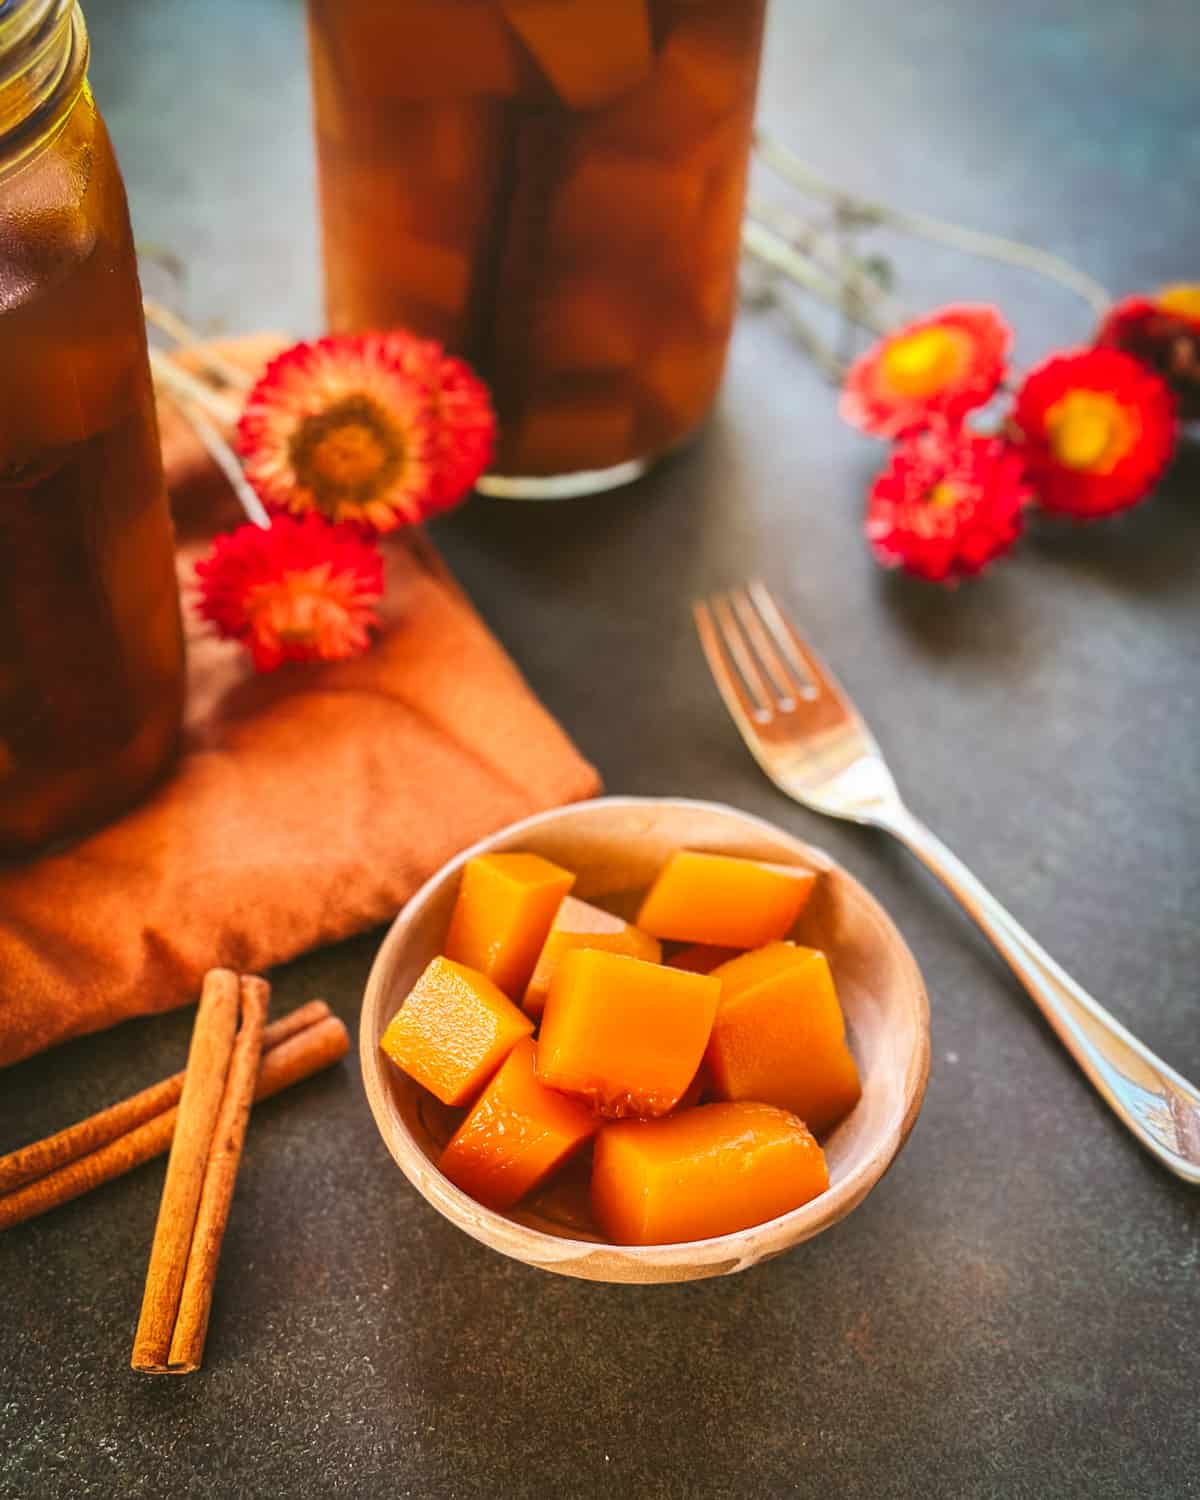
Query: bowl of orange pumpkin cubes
644, 1040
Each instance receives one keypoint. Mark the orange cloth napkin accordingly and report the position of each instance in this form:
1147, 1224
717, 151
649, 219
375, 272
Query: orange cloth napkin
306, 805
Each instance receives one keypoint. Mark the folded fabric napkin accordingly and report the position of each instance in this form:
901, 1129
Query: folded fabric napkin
306, 805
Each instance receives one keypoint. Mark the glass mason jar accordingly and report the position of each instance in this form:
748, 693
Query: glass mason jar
91, 650
553, 188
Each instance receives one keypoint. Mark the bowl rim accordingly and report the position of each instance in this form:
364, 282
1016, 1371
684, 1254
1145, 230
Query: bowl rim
536, 1246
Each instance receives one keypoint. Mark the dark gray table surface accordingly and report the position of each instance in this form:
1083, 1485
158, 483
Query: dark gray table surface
1015, 1311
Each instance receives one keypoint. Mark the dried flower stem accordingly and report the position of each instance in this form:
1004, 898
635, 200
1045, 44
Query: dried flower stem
774, 250
838, 259
185, 386
827, 359
199, 405
229, 464
215, 363
866, 211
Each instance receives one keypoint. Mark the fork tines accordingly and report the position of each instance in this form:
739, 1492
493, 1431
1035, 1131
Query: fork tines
755, 654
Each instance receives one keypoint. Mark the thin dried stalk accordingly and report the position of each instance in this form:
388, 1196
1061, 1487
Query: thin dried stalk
774, 250
212, 360
197, 404
867, 211
185, 386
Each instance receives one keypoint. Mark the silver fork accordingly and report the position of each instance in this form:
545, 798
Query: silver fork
810, 740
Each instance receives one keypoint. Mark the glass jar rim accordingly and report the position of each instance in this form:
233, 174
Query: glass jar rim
43, 66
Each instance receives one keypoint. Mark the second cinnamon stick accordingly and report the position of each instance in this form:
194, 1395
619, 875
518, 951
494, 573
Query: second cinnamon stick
296, 1052
90, 1136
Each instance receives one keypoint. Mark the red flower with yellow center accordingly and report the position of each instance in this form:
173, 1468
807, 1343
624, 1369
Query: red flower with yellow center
301, 590
338, 427
948, 502
936, 369
1163, 332
1096, 429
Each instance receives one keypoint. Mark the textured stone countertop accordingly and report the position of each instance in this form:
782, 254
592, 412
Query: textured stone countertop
1015, 1311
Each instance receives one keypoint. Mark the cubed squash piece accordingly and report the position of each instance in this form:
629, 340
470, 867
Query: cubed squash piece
694, 1091
584, 321
580, 925
625, 1035
565, 1199
517, 1134
590, 50
780, 1037
701, 958
680, 375
453, 1031
560, 431
505, 906
631, 205
420, 49
709, 1171
723, 901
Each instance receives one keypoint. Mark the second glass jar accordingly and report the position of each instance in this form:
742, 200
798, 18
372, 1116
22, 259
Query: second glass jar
553, 188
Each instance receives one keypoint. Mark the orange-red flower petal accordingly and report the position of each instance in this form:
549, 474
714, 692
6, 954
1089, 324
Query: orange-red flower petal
948, 502
1096, 429
301, 590
936, 369
1163, 332
464, 424
338, 427
465, 430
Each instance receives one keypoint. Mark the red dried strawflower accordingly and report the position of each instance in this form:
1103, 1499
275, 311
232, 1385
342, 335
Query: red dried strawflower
938, 368
1096, 429
339, 427
464, 422
948, 502
301, 590
466, 430
1164, 332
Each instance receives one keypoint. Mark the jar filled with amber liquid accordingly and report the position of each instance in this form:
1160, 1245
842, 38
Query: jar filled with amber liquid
554, 189
91, 649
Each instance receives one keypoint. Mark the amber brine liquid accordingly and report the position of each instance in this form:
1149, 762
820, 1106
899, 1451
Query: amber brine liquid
91, 653
553, 190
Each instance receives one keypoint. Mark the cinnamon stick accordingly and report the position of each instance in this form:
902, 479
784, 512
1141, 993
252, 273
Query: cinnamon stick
216, 1196
43, 1157
300, 1044
199, 1104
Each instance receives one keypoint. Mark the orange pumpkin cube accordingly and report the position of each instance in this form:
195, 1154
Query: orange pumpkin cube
625, 1035
506, 903
780, 1037
517, 1134
701, 958
710, 1171
719, 900
590, 50
453, 1031
694, 1091
579, 925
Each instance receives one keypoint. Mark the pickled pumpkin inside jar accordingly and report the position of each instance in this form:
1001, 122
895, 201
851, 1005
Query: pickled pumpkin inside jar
91, 654
553, 188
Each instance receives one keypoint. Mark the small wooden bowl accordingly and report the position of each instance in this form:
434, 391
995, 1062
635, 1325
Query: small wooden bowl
616, 845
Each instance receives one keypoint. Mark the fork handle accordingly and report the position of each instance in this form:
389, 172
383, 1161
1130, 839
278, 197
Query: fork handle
1161, 1108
